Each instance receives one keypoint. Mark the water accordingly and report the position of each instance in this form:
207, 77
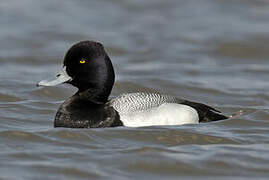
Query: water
214, 52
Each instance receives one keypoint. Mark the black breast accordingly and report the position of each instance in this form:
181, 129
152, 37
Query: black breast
77, 113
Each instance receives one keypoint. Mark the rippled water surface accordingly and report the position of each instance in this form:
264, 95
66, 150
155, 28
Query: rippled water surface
211, 51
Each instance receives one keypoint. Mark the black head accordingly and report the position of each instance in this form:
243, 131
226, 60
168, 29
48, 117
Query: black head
91, 70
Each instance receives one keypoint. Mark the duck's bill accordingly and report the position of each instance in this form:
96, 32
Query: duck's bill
60, 78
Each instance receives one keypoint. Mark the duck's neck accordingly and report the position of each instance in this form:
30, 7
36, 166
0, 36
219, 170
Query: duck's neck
94, 95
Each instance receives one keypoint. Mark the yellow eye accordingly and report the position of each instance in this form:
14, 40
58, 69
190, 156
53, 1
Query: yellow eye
82, 61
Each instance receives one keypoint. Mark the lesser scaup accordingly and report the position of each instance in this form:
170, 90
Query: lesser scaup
88, 67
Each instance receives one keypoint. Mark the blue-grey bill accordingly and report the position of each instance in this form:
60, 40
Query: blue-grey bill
60, 78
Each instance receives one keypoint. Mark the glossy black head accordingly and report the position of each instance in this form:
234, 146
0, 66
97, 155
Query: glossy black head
90, 69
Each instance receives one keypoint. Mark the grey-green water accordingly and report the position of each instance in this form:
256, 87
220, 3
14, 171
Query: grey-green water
211, 51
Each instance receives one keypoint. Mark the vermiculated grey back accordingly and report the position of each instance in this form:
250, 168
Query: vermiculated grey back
133, 102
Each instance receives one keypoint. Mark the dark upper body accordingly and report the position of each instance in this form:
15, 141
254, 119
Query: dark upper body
78, 113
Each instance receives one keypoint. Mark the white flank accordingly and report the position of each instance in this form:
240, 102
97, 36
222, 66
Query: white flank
149, 109
165, 114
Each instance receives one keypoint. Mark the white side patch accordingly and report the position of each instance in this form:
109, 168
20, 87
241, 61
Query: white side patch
165, 114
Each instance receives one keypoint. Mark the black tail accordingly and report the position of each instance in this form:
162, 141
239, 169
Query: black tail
206, 113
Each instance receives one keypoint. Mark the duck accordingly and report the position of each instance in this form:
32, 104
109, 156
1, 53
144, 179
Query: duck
87, 67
